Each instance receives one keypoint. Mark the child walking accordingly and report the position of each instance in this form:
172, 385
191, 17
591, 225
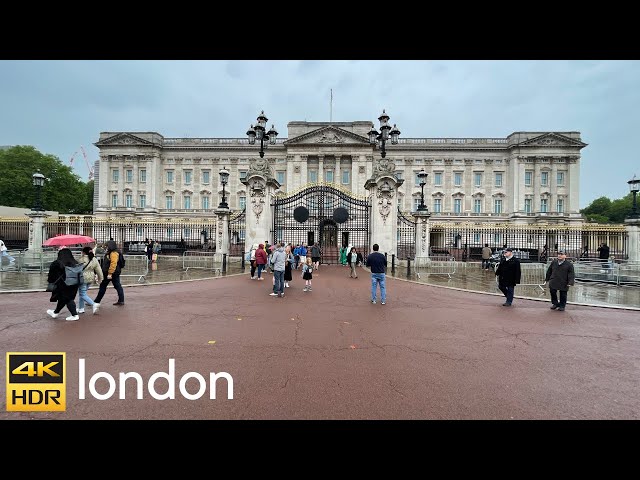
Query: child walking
307, 274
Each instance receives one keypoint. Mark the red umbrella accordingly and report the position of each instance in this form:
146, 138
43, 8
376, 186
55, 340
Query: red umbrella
62, 240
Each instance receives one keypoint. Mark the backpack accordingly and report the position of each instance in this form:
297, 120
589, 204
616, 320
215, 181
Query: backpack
121, 261
74, 275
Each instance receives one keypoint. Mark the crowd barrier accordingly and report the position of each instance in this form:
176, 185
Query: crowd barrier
608, 271
435, 265
136, 266
202, 260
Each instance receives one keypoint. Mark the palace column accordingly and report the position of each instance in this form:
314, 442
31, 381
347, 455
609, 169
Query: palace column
336, 176
260, 189
321, 168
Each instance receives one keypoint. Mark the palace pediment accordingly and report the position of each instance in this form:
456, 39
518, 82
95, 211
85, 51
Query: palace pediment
552, 140
123, 139
328, 136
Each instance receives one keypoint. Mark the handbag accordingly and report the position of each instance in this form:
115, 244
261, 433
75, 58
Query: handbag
52, 287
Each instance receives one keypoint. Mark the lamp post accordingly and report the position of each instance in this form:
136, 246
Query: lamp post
259, 132
386, 133
422, 175
634, 187
224, 178
38, 183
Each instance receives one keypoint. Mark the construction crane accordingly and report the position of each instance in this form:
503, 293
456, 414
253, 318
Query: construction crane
86, 161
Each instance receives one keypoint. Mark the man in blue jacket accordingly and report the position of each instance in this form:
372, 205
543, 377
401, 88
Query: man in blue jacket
378, 264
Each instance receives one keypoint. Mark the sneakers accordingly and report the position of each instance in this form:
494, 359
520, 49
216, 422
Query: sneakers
119, 303
561, 309
81, 310
373, 301
281, 295
383, 302
72, 318
305, 289
273, 294
286, 285
505, 304
553, 307
52, 314
95, 308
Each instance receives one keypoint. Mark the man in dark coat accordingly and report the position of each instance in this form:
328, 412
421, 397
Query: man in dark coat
508, 273
603, 252
560, 276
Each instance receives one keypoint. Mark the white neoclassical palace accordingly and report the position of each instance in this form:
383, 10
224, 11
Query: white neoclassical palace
527, 177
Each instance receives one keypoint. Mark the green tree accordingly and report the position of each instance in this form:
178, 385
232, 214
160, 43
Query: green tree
603, 210
63, 190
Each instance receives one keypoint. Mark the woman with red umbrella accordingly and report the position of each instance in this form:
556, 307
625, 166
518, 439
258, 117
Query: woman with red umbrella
64, 294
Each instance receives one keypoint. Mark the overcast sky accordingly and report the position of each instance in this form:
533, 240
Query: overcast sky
57, 106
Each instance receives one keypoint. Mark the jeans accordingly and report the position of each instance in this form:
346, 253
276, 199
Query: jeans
83, 297
554, 297
508, 292
353, 270
6, 254
260, 267
279, 278
116, 284
378, 278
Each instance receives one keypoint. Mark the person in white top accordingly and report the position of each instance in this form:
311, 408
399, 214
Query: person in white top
5, 253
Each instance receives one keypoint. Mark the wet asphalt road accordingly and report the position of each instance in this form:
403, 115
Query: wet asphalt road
430, 353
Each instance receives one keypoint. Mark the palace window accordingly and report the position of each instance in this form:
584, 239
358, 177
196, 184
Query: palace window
345, 177
527, 205
205, 202
143, 201
497, 205
313, 176
498, 179
129, 174
457, 179
243, 175
560, 205
437, 179
477, 205
528, 178
169, 176
143, 175
128, 201
206, 177
437, 205
328, 175
280, 177
477, 179
187, 202
114, 200
560, 179
544, 205
457, 205
187, 177
243, 203
416, 204
115, 175
169, 202
544, 178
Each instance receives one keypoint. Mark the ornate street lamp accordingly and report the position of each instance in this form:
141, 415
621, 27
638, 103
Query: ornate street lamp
386, 134
224, 178
38, 183
259, 132
634, 187
422, 176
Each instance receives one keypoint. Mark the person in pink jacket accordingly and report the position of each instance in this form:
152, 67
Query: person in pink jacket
261, 260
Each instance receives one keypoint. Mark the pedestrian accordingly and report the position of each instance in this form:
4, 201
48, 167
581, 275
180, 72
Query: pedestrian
303, 254
315, 256
92, 271
111, 268
353, 261
603, 251
5, 253
63, 292
149, 250
486, 255
560, 276
278, 260
509, 274
287, 266
378, 264
307, 274
261, 260
252, 259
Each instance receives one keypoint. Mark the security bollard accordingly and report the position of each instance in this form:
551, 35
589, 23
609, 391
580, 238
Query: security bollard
408, 267
224, 263
242, 262
393, 263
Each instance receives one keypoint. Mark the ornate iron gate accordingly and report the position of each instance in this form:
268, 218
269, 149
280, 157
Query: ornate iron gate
321, 213
406, 237
237, 233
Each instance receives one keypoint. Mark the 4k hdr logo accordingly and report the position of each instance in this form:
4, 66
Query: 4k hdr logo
36, 382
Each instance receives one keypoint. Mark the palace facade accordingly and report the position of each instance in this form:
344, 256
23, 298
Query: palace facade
527, 177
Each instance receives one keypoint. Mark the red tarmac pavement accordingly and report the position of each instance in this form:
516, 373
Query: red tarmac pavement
430, 353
